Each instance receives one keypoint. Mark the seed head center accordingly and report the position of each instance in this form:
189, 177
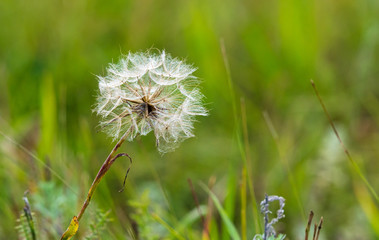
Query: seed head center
146, 109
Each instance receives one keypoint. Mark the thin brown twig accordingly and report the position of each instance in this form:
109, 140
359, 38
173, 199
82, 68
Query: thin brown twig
311, 214
355, 165
319, 228
205, 234
194, 195
330, 120
127, 171
314, 231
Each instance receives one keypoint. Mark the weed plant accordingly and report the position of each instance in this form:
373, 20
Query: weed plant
266, 131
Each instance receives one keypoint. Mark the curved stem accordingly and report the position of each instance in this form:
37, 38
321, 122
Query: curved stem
103, 170
74, 225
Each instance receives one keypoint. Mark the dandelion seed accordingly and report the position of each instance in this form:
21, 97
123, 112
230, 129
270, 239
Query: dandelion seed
147, 92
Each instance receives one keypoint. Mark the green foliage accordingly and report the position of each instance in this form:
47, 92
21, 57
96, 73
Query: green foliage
98, 224
51, 201
145, 215
49, 215
50, 51
230, 228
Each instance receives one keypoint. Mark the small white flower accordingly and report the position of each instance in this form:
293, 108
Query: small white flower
147, 92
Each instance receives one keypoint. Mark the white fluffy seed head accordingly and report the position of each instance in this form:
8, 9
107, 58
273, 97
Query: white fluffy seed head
147, 92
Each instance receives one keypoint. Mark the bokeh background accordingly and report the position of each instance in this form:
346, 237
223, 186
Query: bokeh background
264, 115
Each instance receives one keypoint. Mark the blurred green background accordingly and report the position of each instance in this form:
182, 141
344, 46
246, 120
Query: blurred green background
51, 52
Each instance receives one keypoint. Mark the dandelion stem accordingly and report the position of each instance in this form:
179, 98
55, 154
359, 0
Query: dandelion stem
103, 170
71, 230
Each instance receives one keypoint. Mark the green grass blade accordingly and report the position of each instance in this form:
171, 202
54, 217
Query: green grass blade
230, 200
168, 227
285, 163
368, 205
245, 153
191, 217
233, 233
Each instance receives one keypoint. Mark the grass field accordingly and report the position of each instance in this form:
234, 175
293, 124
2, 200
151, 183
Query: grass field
266, 131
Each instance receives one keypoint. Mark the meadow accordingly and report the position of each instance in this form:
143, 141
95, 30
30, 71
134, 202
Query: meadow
266, 132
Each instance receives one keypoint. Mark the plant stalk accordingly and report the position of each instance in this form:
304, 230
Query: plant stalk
103, 170
71, 230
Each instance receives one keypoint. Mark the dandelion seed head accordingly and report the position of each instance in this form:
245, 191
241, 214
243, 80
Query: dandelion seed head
147, 92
